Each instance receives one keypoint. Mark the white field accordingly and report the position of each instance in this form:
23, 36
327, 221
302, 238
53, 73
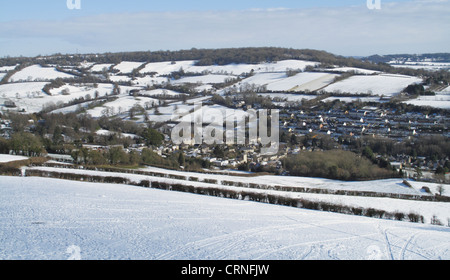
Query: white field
167, 67
284, 65
438, 101
38, 73
167, 113
237, 69
120, 106
126, 67
205, 79
392, 186
48, 219
7, 68
22, 89
149, 80
213, 113
72, 108
383, 84
161, 92
278, 81
306, 81
86, 65
230, 69
119, 78
2, 75
353, 69
104, 132
264, 79
290, 97
100, 67
75, 92
163, 68
9, 158
445, 90
431, 66
33, 99
352, 99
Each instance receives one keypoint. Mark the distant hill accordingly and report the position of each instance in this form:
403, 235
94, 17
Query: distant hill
428, 57
225, 56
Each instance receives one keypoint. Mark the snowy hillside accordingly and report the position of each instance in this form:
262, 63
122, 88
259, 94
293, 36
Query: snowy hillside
58, 220
38, 73
387, 85
25, 87
299, 188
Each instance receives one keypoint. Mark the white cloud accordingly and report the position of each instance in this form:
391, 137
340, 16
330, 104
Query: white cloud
420, 26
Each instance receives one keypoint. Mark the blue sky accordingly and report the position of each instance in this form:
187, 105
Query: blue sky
346, 27
57, 9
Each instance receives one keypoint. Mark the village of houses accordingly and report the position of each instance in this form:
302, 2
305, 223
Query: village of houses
335, 124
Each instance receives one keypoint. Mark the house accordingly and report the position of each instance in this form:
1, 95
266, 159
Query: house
397, 165
10, 104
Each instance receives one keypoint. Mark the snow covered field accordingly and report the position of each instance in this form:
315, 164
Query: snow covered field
307, 81
352, 99
55, 219
38, 73
279, 81
100, 67
205, 79
431, 66
383, 84
9, 158
29, 96
438, 101
21, 90
353, 69
390, 186
120, 106
164, 68
126, 67
289, 97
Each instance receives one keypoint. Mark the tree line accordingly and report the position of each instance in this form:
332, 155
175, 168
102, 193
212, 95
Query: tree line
335, 164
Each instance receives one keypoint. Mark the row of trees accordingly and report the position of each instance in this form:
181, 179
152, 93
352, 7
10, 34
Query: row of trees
335, 164
22, 143
436, 147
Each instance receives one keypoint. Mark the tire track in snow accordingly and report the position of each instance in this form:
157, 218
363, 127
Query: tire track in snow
213, 241
234, 239
390, 245
314, 243
403, 251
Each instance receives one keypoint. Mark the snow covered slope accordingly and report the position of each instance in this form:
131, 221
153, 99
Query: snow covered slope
38, 73
55, 219
9, 158
427, 209
384, 84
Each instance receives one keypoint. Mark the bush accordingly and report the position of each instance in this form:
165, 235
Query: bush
415, 218
399, 216
9, 171
145, 183
435, 221
210, 181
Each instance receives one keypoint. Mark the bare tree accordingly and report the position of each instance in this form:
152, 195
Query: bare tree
440, 189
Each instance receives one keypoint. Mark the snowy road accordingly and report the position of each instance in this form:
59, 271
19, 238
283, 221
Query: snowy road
44, 218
